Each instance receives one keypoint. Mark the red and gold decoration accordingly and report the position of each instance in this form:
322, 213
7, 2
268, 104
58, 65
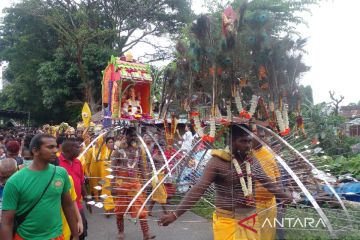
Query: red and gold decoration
126, 89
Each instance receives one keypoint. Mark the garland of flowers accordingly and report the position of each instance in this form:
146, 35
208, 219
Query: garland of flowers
211, 136
285, 114
212, 127
280, 120
228, 112
254, 103
238, 102
247, 190
199, 130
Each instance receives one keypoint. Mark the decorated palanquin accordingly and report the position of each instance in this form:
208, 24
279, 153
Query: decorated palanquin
126, 87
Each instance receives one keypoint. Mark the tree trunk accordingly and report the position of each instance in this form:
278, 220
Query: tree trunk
88, 90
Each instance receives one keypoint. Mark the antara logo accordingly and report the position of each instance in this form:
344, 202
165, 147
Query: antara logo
281, 223
293, 223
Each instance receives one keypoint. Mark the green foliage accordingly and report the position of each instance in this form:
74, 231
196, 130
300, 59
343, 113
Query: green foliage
339, 165
328, 129
57, 49
258, 40
306, 93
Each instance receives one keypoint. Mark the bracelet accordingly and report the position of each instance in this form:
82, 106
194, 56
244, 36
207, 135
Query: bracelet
174, 213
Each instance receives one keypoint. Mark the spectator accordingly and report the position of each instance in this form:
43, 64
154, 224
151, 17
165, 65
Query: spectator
26, 154
68, 160
7, 168
42, 218
12, 151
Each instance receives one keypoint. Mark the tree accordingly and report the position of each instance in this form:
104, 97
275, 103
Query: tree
306, 93
335, 102
78, 38
216, 61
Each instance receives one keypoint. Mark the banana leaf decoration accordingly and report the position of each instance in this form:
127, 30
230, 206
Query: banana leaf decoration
86, 115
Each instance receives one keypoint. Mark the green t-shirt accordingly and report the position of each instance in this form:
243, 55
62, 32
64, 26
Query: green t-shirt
24, 188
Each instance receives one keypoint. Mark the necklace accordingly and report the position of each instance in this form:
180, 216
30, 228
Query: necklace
247, 190
131, 164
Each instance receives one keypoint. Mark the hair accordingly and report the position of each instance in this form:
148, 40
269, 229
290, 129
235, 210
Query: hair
37, 140
107, 139
27, 140
238, 130
192, 130
8, 165
24, 150
60, 139
13, 146
130, 131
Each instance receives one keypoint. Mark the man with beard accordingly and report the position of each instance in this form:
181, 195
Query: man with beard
34, 196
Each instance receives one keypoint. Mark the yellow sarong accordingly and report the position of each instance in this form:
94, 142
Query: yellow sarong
227, 228
265, 200
97, 172
66, 228
267, 212
160, 195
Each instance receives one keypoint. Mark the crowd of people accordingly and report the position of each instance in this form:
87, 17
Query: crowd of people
46, 181
46, 175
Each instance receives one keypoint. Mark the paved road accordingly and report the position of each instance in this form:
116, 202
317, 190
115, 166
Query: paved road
101, 228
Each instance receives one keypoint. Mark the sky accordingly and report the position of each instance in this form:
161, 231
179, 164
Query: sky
333, 48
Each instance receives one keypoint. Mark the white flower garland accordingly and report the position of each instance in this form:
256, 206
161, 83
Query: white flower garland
280, 120
254, 103
285, 115
199, 130
212, 127
239, 105
228, 112
247, 190
272, 106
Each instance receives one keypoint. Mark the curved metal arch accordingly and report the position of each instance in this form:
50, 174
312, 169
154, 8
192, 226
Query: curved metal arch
313, 167
298, 182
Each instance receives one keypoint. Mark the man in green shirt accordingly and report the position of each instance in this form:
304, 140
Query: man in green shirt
25, 187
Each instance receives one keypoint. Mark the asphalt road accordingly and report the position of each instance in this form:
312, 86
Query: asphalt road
187, 227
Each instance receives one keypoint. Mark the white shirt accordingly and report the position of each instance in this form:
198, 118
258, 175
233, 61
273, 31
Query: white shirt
187, 141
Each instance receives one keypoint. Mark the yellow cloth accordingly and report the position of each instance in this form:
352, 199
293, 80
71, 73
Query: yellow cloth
265, 200
86, 115
66, 228
97, 172
267, 212
222, 154
160, 195
85, 162
268, 163
229, 229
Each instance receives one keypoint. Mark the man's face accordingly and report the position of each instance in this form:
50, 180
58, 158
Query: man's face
156, 136
147, 139
242, 144
110, 144
76, 149
26, 155
47, 151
